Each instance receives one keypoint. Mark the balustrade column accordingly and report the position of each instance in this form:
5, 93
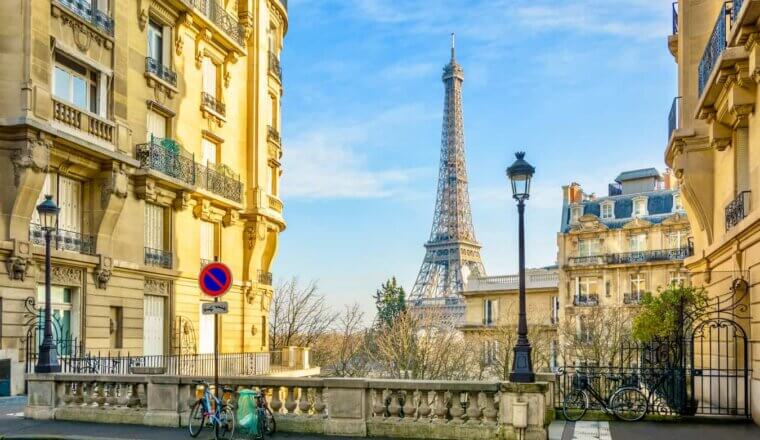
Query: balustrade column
410, 408
290, 402
489, 412
304, 405
319, 404
441, 408
423, 409
378, 403
456, 410
473, 407
394, 406
275, 404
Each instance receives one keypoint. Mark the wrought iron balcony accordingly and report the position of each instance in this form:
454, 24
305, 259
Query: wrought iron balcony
87, 10
63, 240
586, 260
737, 209
589, 300
736, 6
221, 18
273, 135
715, 47
168, 157
647, 256
153, 66
632, 298
158, 258
265, 278
675, 18
274, 66
221, 180
674, 116
211, 102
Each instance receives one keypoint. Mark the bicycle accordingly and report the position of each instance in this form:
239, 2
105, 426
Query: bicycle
219, 415
626, 403
267, 423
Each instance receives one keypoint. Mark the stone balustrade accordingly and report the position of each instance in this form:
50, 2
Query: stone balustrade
334, 406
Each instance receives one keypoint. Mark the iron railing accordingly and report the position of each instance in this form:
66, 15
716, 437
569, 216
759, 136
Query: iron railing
168, 157
586, 260
737, 209
588, 300
273, 135
158, 258
221, 180
153, 66
715, 47
265, 278
675, 18
274, 65
89, 12
736, 7
647, 256
62, 239
632, 298
210, 101
674, 116
221, 18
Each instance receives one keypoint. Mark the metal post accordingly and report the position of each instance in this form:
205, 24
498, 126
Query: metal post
47, 360
522, 366
216, 352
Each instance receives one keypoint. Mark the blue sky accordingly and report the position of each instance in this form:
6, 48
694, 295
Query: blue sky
583, 86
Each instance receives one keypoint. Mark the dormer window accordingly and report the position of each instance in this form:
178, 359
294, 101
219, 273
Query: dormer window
677, 203
640, 207
608, 210
575, 213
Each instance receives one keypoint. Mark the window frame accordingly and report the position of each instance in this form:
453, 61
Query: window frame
638, 238
638, 284
576, 212
643, 202
593, 247
607, 205
155, 33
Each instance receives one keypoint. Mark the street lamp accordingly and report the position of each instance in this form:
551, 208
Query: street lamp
47, 359
520, 173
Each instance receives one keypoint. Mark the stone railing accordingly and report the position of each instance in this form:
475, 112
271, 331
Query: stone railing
589, 260
275, 204
352, 406
83, 120
533, 280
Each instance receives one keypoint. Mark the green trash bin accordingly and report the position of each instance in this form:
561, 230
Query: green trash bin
247, 416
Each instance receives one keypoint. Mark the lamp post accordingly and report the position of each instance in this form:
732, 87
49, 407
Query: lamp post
520, 173
47, 359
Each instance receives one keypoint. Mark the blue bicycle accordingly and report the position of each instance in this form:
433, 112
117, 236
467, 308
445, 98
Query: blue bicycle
211, 410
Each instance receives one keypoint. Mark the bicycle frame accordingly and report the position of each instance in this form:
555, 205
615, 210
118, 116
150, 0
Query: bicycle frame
214, 417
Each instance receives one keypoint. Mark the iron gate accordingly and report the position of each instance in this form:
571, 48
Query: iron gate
703, 369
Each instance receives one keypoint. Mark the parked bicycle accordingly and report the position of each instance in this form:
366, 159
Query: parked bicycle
266, 421
626, 402
210, 410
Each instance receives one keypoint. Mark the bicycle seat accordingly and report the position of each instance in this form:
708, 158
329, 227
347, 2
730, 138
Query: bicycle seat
227, 389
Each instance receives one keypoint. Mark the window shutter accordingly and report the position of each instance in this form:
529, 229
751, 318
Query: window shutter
70, 196
154, 226
156, 125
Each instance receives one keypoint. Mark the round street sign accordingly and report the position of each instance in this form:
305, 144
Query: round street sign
215, 279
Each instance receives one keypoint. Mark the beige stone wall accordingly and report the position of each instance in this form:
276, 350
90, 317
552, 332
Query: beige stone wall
538, 306
101, 151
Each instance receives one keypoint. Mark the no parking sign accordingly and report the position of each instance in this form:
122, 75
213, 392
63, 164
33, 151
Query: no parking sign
215, 279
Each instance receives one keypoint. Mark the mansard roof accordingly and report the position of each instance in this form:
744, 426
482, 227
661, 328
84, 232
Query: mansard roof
659, 207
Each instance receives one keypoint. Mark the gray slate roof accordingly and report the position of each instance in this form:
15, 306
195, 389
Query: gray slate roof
637, 174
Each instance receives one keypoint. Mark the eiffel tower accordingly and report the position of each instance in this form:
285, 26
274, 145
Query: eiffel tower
452, 252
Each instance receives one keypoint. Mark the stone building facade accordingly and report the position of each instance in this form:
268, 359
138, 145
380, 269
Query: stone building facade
155, 126
612, 249
714, 149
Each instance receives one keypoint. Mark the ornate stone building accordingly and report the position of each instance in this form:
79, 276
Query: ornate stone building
714, 149
155, 126
614, 248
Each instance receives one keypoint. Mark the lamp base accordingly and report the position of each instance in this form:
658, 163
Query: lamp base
522, 367
47, 360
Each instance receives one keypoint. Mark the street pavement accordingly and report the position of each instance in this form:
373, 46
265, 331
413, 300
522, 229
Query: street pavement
685, 429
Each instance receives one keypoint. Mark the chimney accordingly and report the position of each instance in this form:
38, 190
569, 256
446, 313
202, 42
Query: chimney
573, 193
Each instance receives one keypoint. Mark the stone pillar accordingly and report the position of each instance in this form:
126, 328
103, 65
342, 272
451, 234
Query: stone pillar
534, 394
41, 400
164, 404
348, 407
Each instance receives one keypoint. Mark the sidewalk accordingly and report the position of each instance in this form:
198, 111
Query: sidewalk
685, 429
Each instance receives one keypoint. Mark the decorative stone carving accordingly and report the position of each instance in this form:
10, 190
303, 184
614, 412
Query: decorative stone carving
184, 200
202, 210
200, 51
231, 217
103, 272
68, 276
720, 144
142, 13
741, 113
116, 183
157, 287
35, 154
256, 230
84, 36
17, 268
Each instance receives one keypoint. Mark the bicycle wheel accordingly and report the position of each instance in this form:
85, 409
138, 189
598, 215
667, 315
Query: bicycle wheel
271, 423
629, 404
225, 429
197, 420
575, 405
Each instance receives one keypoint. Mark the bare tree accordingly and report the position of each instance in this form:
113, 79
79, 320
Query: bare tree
341, 352
299, 315
494, 350
595, 336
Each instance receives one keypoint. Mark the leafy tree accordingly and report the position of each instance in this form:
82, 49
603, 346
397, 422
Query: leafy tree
390, 301
661, 314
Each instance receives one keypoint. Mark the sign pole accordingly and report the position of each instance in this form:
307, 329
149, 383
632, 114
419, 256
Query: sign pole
215, 279
216, 351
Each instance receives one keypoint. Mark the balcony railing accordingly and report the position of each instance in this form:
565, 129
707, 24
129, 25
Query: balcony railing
736, 6
589, 300
87, 11
63, 240
675, 18
715, 47
647, 256
211, 102
586, 260
221, 18
153, 66
168, 157
274, 66
83, 120
737, 209
632, 298
275, 204
158, 258
273, 135
674, 116
265, 278
221, 180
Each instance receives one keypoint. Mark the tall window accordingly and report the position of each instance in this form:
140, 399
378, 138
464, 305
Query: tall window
555, 309
637, 243
587, 286
575, 213
208, 241
677, 239
210, 72
63, 304
588, 248
115, 327
677, 202
156, 42
209, 152
638, 284
640, 207
678, 278
76, 84
154, 226
490, 311
608, 210
156, 125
